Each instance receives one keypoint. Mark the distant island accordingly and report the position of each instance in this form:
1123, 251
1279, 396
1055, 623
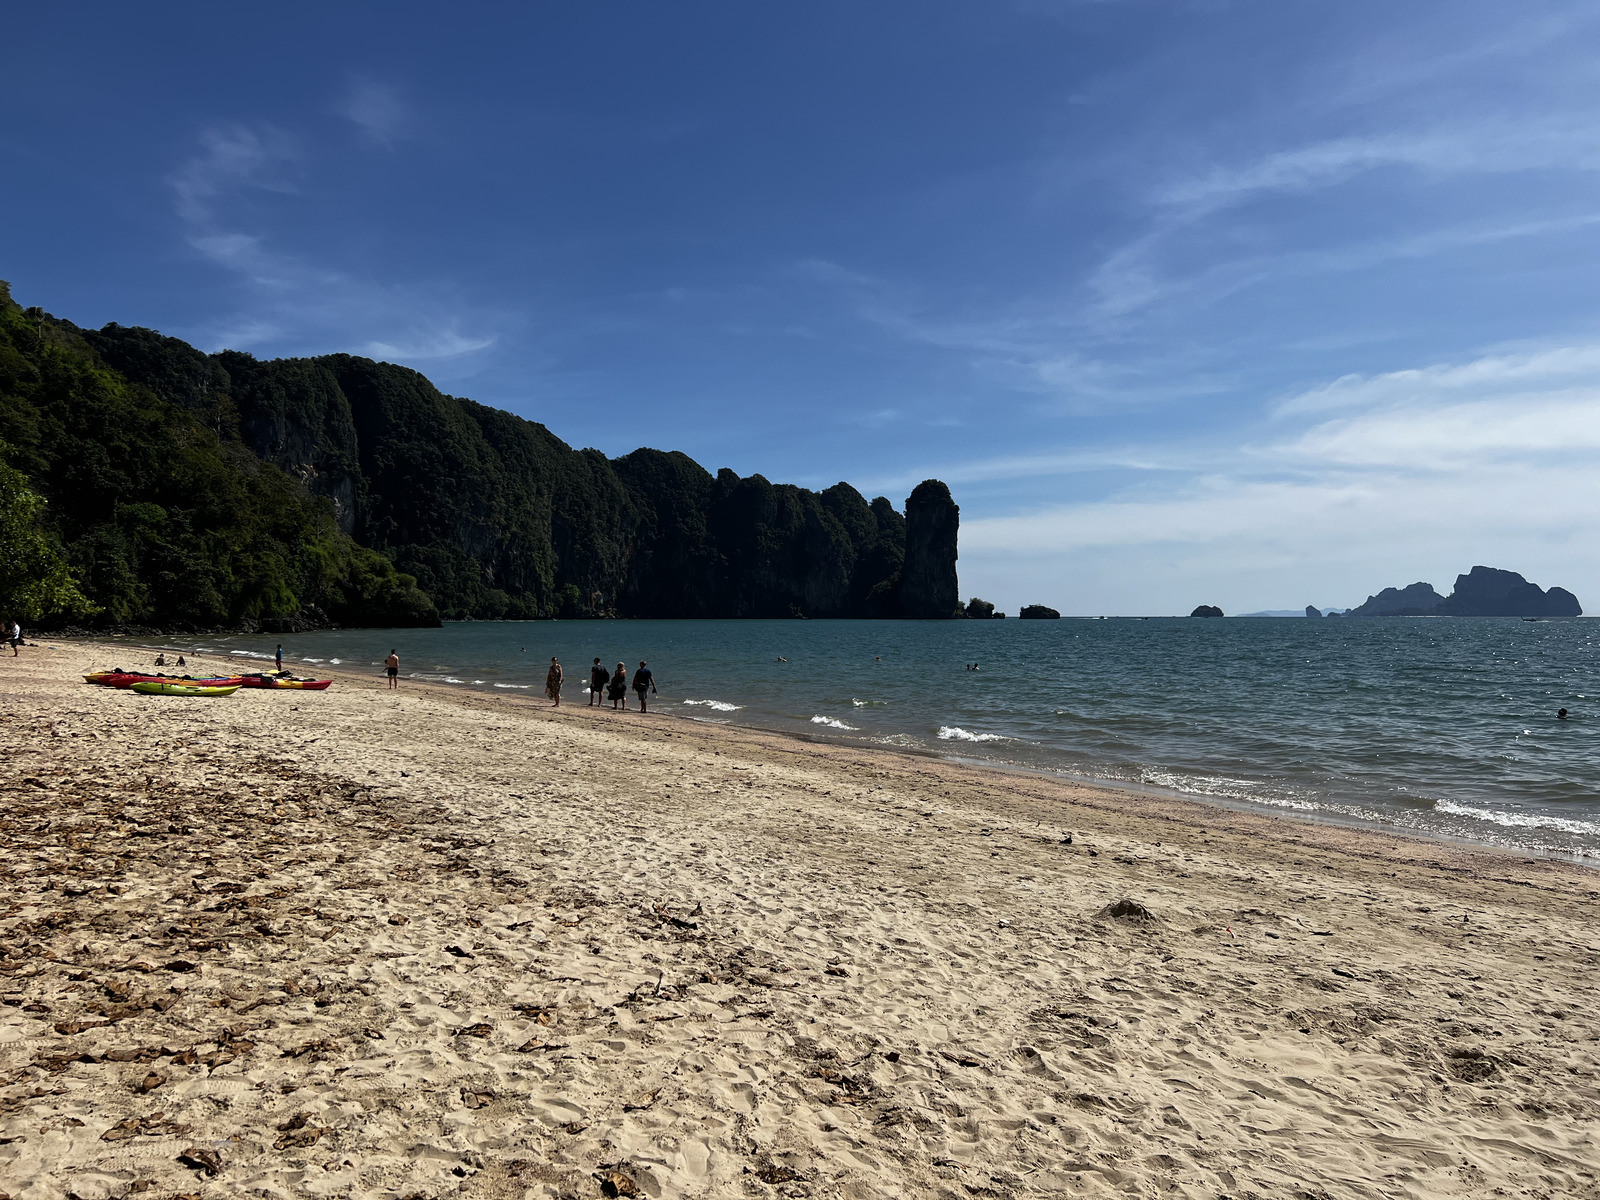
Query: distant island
1482, 592
1207, 610
165, 488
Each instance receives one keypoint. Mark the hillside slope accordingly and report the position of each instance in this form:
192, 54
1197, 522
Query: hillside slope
489, 514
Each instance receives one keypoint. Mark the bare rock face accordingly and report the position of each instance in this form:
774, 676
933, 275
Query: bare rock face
1482, 592
1414, 600
1313, 611
928, 588
1487, 592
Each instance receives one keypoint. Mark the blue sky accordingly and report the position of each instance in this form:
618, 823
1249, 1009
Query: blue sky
1258, 304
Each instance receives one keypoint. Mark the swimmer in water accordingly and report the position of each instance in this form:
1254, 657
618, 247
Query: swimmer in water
1561, 714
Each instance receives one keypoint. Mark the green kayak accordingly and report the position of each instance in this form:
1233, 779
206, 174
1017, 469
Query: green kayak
184, 689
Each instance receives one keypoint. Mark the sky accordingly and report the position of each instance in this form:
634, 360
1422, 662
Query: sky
1238, 302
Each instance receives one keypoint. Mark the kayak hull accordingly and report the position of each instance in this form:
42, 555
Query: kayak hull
149, 688
126, 679
279, 682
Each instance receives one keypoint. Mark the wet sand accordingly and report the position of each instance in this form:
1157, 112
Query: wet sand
432, 943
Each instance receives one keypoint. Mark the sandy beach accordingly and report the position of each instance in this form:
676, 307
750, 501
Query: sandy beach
430, 943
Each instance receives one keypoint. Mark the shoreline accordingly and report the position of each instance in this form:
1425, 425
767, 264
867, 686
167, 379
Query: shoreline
379, 945
1204, 802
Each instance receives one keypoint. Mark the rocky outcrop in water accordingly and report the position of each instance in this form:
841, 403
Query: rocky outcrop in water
1482, 592
1038, 612
928, 588
1207, 610
1313, 611
1414, 600
1488, 592
980, 610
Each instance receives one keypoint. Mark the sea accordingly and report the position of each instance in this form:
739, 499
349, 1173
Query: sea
1444, 727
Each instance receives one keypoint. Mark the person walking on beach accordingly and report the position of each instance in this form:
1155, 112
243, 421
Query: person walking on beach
280, 659
598, 678
16, 638
617, 689
643, 681
552, 681
392, 666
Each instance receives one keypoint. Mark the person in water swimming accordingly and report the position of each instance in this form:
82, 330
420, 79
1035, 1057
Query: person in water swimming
617, 689
598, 678
1561, 714
391, 665
552, 681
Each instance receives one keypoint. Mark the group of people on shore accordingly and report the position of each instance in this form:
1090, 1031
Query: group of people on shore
610, 685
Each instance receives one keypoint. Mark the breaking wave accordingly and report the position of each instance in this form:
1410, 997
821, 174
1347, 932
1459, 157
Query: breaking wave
957, 734
832, 723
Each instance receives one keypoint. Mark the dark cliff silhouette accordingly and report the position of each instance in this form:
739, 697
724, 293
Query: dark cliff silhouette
928, 589
1482, 592
342, 489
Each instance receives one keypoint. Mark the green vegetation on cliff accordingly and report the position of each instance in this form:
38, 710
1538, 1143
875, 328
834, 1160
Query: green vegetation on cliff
195, 489
162, 520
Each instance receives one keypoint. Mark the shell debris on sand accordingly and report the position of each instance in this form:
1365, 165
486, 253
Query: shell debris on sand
431, 954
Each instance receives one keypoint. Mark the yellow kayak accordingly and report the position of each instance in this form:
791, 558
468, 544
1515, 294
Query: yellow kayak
184, 689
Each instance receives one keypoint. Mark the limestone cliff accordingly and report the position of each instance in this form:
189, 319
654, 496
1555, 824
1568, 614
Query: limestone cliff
928, 588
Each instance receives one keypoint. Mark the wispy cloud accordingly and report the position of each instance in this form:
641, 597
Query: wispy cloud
233, 157
376, 108
290, 304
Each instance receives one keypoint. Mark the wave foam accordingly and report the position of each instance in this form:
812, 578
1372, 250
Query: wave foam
898, 739
718, 705
521, 687
868, 703
1513, 820
956, 733
832, 723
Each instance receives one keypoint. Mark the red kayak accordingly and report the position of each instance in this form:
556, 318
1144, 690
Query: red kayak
286, 681
126, 679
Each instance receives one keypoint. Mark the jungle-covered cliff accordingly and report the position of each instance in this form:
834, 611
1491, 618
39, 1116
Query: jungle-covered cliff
188, 489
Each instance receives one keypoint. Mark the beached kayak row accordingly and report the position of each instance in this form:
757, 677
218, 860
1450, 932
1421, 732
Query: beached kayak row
184, 685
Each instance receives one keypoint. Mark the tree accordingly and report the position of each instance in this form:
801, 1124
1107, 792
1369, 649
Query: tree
34, 578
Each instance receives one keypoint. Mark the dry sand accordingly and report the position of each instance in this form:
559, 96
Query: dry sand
431, 943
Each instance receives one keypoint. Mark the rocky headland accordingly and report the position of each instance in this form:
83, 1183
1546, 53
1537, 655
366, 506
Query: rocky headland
1482, 592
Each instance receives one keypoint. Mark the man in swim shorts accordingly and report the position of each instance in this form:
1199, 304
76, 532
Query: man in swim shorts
598, 678
392, 666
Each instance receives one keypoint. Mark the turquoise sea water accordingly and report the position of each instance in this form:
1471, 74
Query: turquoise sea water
1441, 726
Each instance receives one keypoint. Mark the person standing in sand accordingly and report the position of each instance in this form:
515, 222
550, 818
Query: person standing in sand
552, 682
279, 659
16, 638
617, 689
643, 681
392, 666
598, 678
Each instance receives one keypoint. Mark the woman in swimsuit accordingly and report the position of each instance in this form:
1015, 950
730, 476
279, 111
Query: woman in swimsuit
552, 682
618, 688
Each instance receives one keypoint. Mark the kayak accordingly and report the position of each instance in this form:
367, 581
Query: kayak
150, 688
125, 679
284, 681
